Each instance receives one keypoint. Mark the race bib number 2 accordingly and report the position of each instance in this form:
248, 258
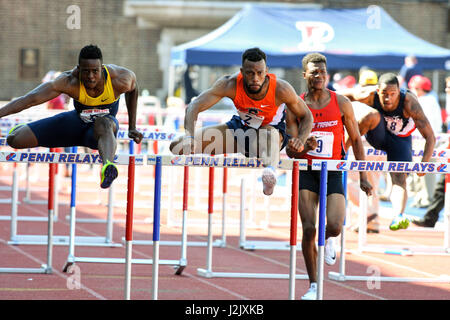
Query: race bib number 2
251, 119
324, 144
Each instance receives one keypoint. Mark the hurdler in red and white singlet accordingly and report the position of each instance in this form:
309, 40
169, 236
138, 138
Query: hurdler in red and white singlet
328, 130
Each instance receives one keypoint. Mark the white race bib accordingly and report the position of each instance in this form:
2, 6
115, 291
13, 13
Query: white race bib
89, 115
324, 144
251, 119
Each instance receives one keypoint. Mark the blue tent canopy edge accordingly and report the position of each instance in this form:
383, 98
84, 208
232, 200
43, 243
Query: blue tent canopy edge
349, 38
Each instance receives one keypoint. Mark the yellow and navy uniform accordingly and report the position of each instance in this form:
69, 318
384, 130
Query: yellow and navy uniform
90, 108
76, 127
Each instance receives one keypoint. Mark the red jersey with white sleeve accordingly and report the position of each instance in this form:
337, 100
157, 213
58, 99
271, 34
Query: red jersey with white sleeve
257, 113
328, 129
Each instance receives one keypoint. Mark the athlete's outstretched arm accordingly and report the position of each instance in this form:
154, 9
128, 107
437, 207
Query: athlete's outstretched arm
125, 82
204, 101
348, 118
42, 93
364, 95
292, 129
415, 111
300, 112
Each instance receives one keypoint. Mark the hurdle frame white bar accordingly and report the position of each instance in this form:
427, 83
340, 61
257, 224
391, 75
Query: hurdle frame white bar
391, 166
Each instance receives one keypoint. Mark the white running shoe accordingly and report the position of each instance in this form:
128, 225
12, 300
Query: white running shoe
312, 292
269, 179
330, 252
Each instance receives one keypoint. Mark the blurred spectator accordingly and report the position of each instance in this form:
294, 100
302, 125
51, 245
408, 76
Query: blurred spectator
368, 78
60, 102
408, 70
437, 203
447, 101
334, 80
421, 87
329, 84
188, 86
347, 82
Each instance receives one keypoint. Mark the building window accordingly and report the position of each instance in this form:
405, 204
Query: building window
29, 63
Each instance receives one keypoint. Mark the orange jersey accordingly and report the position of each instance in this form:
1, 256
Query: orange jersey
257, 113
328, 129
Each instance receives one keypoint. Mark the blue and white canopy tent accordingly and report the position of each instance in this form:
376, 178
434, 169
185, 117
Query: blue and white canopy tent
350, 38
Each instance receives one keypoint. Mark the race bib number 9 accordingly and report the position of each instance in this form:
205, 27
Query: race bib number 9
251, 119
89, 115
324, 144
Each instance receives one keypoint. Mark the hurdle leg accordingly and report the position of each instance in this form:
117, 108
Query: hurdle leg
56, 194
321, 240
73, 213
447, 213
208, 271
170, 200
51, 203
156, 227
223, 242
362, 230
293, 233
110, 215
242, 216
27, 183
129, 227
210, 211
14, 201
183, 259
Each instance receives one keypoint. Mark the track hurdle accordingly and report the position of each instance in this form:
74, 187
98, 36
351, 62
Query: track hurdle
391, 166
441, 155
47, 268
129, 227
40, 157
65, 158
123, 159
321, 235
156, 228
212, 162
